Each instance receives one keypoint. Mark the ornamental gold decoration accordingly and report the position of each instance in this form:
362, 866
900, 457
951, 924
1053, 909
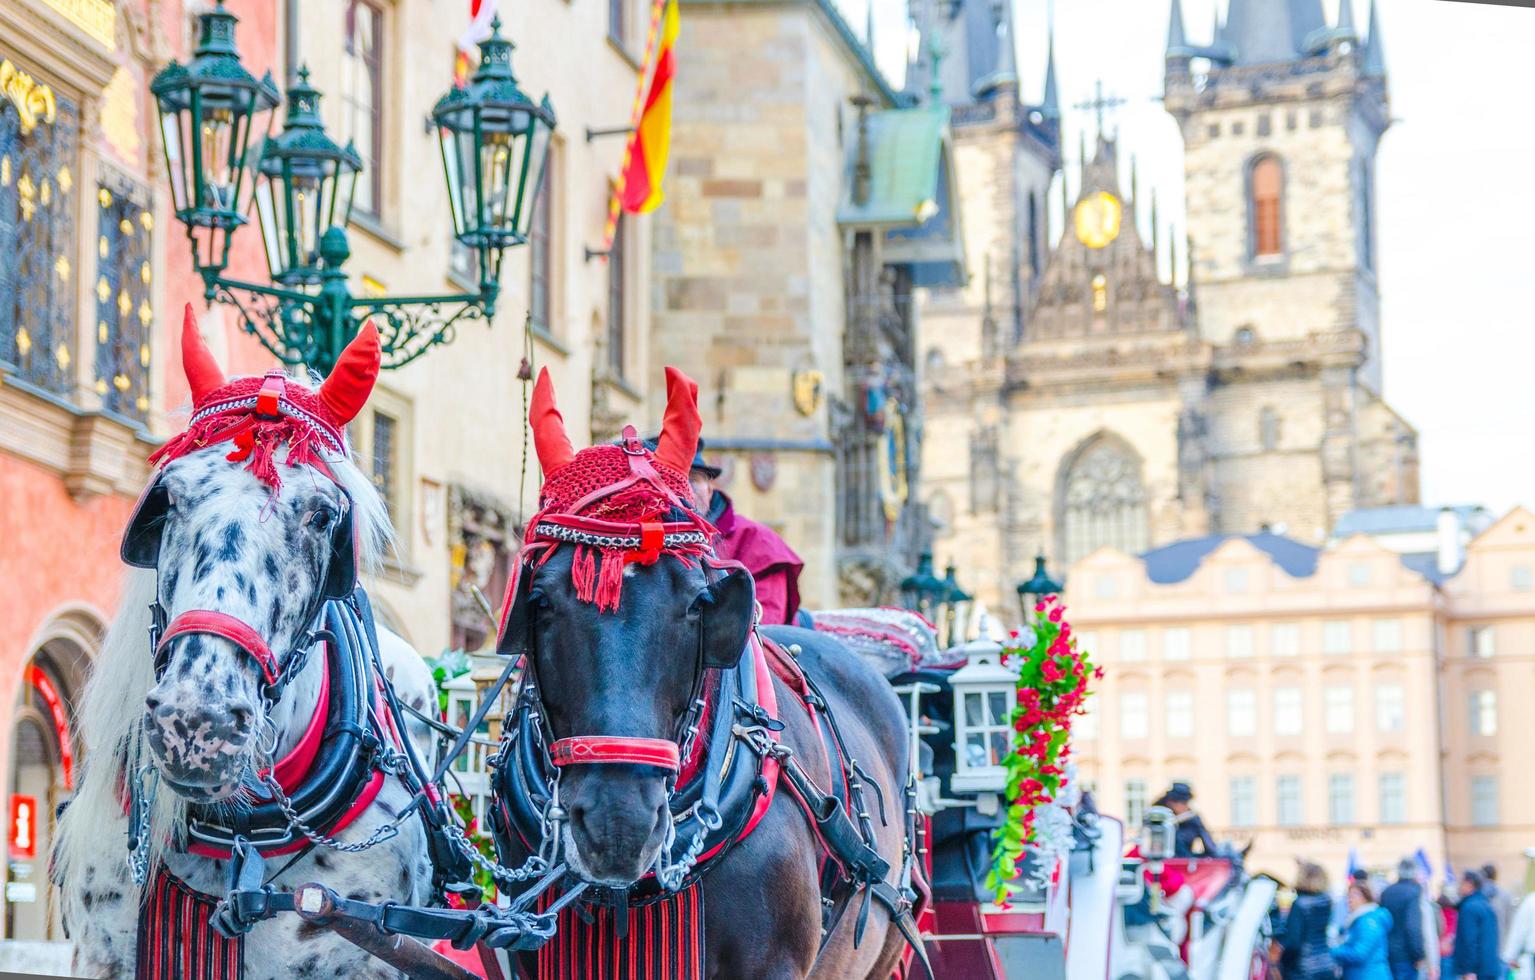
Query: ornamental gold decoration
1097, 219
34, 101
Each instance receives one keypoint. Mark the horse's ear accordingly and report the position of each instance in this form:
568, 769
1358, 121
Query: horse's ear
512, 637
203, 372
346, 391
727, 609
680, 426
549, 438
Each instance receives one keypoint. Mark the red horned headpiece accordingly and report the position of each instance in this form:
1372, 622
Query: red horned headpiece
261, 414
617, 493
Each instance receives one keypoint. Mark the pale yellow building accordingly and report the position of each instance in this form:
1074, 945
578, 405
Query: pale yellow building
1322, 700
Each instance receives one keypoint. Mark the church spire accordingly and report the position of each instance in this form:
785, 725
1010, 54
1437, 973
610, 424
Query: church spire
1346, 19
1177, 42
1050, 105
1006, 71
1375, 48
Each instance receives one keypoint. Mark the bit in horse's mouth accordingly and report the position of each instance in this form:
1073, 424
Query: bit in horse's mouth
198, 793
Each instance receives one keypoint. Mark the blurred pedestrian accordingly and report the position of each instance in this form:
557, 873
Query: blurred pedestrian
1477, 956
1403, 898
1519, 942
1190, 828
1303, 940
1501, 901
1362, 954
1449, 914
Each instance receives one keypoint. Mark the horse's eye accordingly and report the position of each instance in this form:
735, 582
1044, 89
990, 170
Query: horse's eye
320, 519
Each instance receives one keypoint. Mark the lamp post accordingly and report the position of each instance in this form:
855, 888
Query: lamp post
941, 600
495, 142
956, 608
1036, 588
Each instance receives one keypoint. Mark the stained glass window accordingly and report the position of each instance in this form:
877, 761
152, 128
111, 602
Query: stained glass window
37, 239
124, 284
1103, 502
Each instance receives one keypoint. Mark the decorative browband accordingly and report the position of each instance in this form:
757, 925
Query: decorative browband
608, 542
324, 429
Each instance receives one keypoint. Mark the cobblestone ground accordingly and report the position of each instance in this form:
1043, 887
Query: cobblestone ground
47, 959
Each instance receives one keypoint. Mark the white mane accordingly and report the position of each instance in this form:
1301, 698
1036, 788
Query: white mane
91, 842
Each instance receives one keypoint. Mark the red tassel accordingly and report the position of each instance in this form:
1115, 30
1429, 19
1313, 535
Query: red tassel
610, 583
583, 573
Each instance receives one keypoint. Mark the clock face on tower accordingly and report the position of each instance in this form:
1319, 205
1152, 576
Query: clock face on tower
1097, 218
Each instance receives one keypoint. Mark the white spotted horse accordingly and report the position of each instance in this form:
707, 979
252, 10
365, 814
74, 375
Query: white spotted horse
242, 731
730, 801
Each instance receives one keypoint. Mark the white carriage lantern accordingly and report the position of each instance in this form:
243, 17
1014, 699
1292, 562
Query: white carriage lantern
1159, 834
984, 694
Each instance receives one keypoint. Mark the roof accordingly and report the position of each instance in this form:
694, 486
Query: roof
1263, 31
905, 154
1175, 562
1401, 519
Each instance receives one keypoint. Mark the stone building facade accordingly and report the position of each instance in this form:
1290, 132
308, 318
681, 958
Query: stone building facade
1130, 391
780, 281
1323, 701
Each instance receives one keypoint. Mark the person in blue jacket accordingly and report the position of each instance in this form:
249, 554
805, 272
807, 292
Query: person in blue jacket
1362, 954
1476, 933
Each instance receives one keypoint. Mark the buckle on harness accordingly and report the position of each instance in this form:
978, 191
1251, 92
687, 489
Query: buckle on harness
273, 387
631, 442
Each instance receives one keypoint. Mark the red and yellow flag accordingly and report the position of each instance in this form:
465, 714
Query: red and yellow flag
637, 188
645, 160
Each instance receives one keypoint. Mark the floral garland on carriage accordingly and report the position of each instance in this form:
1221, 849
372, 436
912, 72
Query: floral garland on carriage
1053, 675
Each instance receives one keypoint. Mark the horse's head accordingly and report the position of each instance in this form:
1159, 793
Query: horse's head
621, 673
259, 546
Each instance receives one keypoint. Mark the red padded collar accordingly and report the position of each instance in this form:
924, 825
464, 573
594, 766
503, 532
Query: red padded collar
589, 749
239, 633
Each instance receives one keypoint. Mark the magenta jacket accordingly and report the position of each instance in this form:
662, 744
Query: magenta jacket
772, 563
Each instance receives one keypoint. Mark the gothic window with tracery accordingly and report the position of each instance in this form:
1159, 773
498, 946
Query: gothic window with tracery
124, 238
37, 235
1266, 181
1103, 501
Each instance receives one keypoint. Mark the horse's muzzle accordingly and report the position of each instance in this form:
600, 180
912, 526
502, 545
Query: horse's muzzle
618, 821
203, 748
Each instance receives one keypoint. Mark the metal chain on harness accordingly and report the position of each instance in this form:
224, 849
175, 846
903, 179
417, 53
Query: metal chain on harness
138, 854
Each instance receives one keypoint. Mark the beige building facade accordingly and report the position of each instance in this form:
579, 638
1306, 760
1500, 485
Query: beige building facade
1321, 701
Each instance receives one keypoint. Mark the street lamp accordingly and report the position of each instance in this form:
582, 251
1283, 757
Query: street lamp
1036, 588
956, 608
208, 115
922, 591
495, 143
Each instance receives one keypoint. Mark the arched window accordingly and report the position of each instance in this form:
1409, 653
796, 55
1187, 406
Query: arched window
1102, 500
1266, 189
1268, 428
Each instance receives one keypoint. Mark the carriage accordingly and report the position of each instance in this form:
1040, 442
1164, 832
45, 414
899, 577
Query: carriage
619, 813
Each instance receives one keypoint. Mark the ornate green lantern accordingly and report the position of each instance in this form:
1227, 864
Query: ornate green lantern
1036, 588
495, 142
304, 186
209, 110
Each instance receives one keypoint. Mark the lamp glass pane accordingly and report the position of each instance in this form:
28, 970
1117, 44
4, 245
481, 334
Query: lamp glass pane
175, 164
272, 235
496, 154
215, 138
452, 171
345, 187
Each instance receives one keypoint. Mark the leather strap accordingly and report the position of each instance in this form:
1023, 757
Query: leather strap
213, 623
595, 749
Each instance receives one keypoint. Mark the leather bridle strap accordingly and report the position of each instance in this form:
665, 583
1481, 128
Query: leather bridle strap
593, 749
212, 623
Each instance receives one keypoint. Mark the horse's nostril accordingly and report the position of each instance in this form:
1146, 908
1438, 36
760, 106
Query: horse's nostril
151, 701
242, 712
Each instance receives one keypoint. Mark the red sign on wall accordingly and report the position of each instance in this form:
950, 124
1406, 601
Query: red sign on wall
23, 832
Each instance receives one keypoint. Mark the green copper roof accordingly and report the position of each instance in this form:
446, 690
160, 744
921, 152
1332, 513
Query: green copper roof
905, 148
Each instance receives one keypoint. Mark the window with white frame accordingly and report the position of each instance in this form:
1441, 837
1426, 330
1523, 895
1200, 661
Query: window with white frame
1085, 725
1340, 798
1386, 636
1393, 797
1087, 642
1135, 802
1236, 580
1484, 713
1336, 636
1180, 714
1239, 642
1133, 723
1338, 710
1289, 809
1521, 578
1175, 643
1484, 801
1390, 708
1285, 638
1359, 574
1132, 645
1288, 712
1241, 713
1480, 641
1244, 801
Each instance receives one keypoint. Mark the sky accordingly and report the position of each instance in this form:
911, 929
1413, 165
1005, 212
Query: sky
1454, 185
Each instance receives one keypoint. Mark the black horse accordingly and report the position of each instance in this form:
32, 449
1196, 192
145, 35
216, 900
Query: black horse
633, 674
